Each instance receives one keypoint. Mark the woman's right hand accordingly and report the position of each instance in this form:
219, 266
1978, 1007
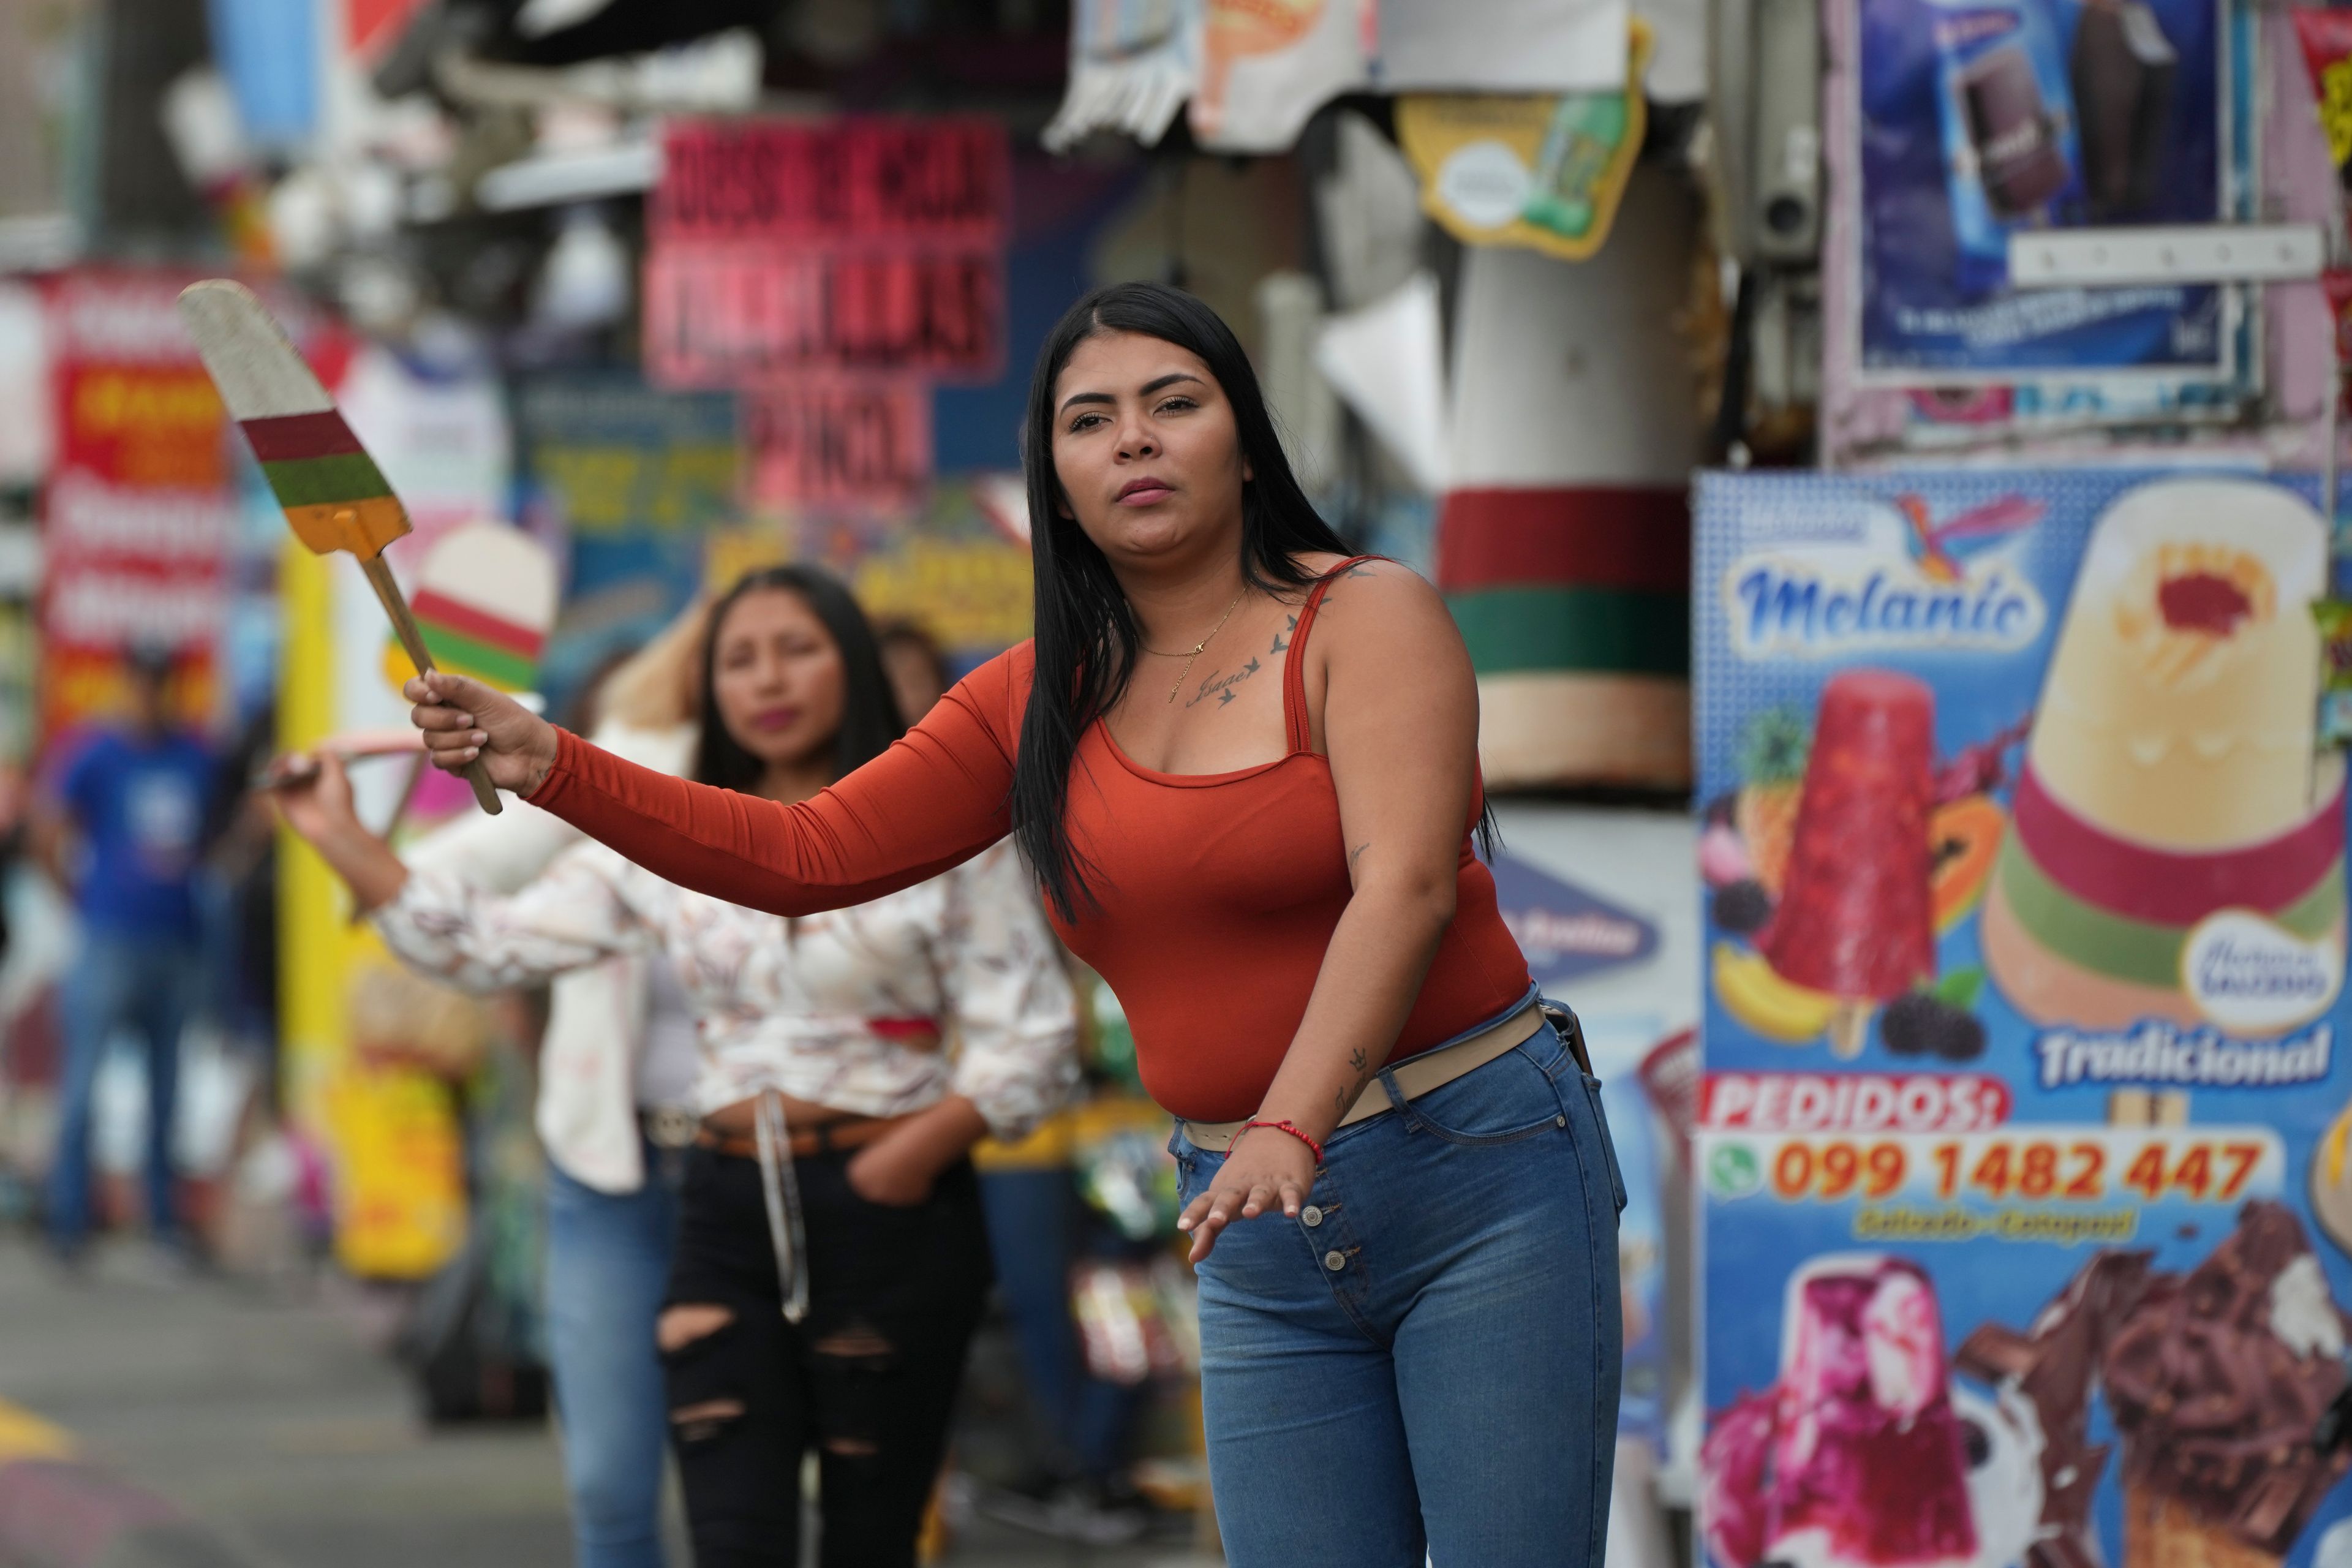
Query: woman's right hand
313, 796
463, 719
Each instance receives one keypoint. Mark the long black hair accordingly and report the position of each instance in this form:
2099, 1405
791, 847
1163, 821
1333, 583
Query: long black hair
870, 713
1087, 639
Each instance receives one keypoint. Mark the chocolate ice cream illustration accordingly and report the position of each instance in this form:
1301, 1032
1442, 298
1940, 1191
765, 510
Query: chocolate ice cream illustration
2216, 1379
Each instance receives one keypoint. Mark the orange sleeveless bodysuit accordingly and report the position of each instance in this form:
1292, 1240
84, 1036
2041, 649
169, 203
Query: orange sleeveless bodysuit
1216, 894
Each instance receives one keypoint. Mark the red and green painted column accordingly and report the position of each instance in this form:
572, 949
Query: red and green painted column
1563, 542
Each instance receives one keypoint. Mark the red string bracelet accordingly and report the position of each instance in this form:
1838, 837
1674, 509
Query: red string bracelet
1294, 1129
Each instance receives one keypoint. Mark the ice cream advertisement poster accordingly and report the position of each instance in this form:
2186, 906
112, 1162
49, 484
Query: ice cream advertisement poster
1972, 121
2026, 1161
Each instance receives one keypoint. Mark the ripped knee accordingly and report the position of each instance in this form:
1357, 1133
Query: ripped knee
705, 1386
854, 1342
680, 1326
704, 1420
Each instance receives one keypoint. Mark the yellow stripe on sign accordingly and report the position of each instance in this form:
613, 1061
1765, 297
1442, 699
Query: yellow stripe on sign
24, 1436
362, 527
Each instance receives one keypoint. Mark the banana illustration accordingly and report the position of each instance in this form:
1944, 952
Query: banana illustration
1764, 1002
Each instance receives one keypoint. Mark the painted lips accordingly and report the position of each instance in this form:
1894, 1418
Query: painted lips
1144, 492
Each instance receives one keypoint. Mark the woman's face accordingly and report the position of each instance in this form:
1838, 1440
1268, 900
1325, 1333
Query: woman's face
776, 677
1146, 449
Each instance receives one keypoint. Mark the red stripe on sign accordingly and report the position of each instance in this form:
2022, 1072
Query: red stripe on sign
2168, 887
1590, 536
443, 611
285, 437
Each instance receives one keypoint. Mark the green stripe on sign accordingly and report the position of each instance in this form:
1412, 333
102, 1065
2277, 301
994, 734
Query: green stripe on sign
315, 481
461, 655
2141, 951
1616, 631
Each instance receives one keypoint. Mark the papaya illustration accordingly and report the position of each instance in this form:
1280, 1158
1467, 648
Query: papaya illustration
1965, 837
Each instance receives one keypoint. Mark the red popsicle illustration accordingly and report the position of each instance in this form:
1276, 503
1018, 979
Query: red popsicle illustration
1856, 919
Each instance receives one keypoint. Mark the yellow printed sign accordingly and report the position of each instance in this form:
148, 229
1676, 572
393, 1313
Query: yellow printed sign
969, 589
400, 1193
1542, 172
393, 1134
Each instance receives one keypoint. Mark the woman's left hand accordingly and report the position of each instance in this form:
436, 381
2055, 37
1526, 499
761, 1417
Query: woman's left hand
1266, 1167
888, 1170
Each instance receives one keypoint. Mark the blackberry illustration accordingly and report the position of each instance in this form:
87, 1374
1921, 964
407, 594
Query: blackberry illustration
1743, 908
1920, 1024
1908, 1023
1959, 1037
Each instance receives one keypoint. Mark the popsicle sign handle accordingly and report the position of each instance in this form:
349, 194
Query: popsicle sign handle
379, 576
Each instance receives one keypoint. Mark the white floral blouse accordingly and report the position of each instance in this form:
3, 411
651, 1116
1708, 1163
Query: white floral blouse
827, 1008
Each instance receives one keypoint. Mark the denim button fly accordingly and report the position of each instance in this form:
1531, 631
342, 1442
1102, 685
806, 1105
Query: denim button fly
1335, 1260
1311, 1215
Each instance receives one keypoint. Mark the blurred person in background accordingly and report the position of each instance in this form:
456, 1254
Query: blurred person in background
617, 1067
238, 900
916, 668
832, 1259
123, 830
1036, 1228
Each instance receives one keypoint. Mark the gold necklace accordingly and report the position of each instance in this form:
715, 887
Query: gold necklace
1199, 646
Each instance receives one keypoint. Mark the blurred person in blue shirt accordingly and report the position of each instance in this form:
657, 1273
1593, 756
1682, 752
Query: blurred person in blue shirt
122, 828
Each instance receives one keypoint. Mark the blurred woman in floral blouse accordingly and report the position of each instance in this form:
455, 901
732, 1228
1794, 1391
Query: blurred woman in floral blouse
832, 1258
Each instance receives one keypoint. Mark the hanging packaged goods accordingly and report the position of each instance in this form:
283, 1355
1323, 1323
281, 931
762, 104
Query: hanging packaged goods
1256, 71
2326, 39
1540, 47
1267, 65
2025, 914
779, 248
1543, 172
1988, 118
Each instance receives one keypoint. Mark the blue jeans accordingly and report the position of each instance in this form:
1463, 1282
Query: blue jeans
143, 983
608, 1258
1427, 1359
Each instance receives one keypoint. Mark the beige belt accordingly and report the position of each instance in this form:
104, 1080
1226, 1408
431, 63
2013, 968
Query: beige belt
1416, 1076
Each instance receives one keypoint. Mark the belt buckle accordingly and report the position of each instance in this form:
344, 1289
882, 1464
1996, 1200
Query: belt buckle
671, 1126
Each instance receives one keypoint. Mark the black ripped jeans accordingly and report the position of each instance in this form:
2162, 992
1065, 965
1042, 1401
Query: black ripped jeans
867, 1379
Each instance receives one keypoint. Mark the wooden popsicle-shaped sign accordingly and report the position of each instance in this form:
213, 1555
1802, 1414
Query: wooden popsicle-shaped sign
334, 496
486, 600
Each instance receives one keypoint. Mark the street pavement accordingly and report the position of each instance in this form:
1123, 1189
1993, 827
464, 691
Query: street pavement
150, 1420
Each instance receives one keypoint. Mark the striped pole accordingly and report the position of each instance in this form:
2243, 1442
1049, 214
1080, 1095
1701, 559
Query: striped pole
1563, 546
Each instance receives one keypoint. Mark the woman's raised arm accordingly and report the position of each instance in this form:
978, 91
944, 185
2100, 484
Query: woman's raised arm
934, 799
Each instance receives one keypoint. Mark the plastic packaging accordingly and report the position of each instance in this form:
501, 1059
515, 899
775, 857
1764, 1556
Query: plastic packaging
2011, 151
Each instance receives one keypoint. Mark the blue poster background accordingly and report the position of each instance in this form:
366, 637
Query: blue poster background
1799, 577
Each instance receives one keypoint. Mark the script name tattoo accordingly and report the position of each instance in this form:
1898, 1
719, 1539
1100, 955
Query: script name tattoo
1222, 689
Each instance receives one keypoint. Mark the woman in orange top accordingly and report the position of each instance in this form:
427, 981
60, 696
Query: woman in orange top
1277, 877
